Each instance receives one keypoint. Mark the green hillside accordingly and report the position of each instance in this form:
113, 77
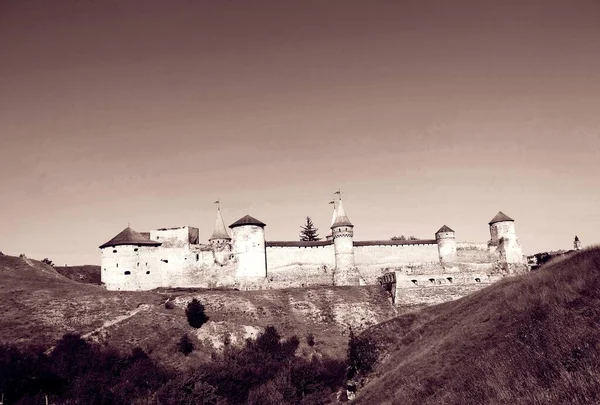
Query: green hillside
533, 339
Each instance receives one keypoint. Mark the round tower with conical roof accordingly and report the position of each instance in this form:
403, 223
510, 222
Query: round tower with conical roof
220, 241
446, 241
129, 262
248, 246
342, 231
503, 239
219, 235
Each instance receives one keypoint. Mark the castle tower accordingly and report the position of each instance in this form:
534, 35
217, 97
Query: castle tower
248, 236
129, 262
343, 244
219, 235
446, 241
577, 243
504, 239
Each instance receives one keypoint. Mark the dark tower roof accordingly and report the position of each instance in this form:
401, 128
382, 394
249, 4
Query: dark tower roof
247, 220
444, 228
500, 217
130, 237
576, 238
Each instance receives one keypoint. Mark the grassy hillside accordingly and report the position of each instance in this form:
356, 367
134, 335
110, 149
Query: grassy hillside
38, 305
88, 274
533, 339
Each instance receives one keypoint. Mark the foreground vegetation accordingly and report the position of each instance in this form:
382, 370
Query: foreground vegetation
533, 339
264, 371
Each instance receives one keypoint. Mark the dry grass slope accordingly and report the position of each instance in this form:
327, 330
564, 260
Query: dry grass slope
82, 274
38, 306
534, 339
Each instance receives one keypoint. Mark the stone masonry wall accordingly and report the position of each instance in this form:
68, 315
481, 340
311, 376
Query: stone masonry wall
374, 261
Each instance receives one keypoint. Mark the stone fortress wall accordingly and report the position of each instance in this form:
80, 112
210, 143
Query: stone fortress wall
414, 271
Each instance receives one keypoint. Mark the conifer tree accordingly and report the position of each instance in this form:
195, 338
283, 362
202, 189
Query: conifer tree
308, 232
195, 314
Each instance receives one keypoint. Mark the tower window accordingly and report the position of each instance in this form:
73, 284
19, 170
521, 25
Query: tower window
135, 250
414, 282
127, 273
432, 280
197, 256
115, 251
477, 280
148, 272
117, 265
449, 279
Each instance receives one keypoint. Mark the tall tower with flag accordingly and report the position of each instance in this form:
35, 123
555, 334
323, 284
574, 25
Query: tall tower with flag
343, 243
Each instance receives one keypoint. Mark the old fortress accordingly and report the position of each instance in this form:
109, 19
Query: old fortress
414, 271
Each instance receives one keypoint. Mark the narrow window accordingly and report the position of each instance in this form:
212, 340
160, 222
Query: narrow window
164, 260
115, 251
138, 264
127, 273
148, 272
197, 256
117, 265
135, 250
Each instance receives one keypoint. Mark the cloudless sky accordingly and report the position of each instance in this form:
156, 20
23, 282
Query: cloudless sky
423, 112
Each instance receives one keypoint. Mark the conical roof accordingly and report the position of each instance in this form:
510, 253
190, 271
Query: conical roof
341, 218
500, 217
219, 232
576, 238
334, 213
130, 237
444, 228
247, 220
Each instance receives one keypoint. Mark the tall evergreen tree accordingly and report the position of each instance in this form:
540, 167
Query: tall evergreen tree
308, 232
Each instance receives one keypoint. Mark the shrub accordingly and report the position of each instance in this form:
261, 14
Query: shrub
185, 345
195, 314
169, 304
310, 339
362, 354
47, 261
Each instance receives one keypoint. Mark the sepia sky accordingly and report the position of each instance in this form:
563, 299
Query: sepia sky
423, 113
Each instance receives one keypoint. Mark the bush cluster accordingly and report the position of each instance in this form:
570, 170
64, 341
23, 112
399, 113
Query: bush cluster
263, 371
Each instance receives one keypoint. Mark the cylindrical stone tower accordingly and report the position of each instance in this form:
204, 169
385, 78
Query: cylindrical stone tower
248, 236
446, 241
343, 244
504, 239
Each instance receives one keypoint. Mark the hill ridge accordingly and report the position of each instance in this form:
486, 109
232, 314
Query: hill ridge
497, 345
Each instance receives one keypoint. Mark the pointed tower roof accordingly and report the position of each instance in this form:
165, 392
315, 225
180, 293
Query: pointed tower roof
247, 220
576, 238
341, 219
500, 217
130, 237
219, 232
444, 228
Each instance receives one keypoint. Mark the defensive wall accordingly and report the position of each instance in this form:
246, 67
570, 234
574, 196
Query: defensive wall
423, 271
